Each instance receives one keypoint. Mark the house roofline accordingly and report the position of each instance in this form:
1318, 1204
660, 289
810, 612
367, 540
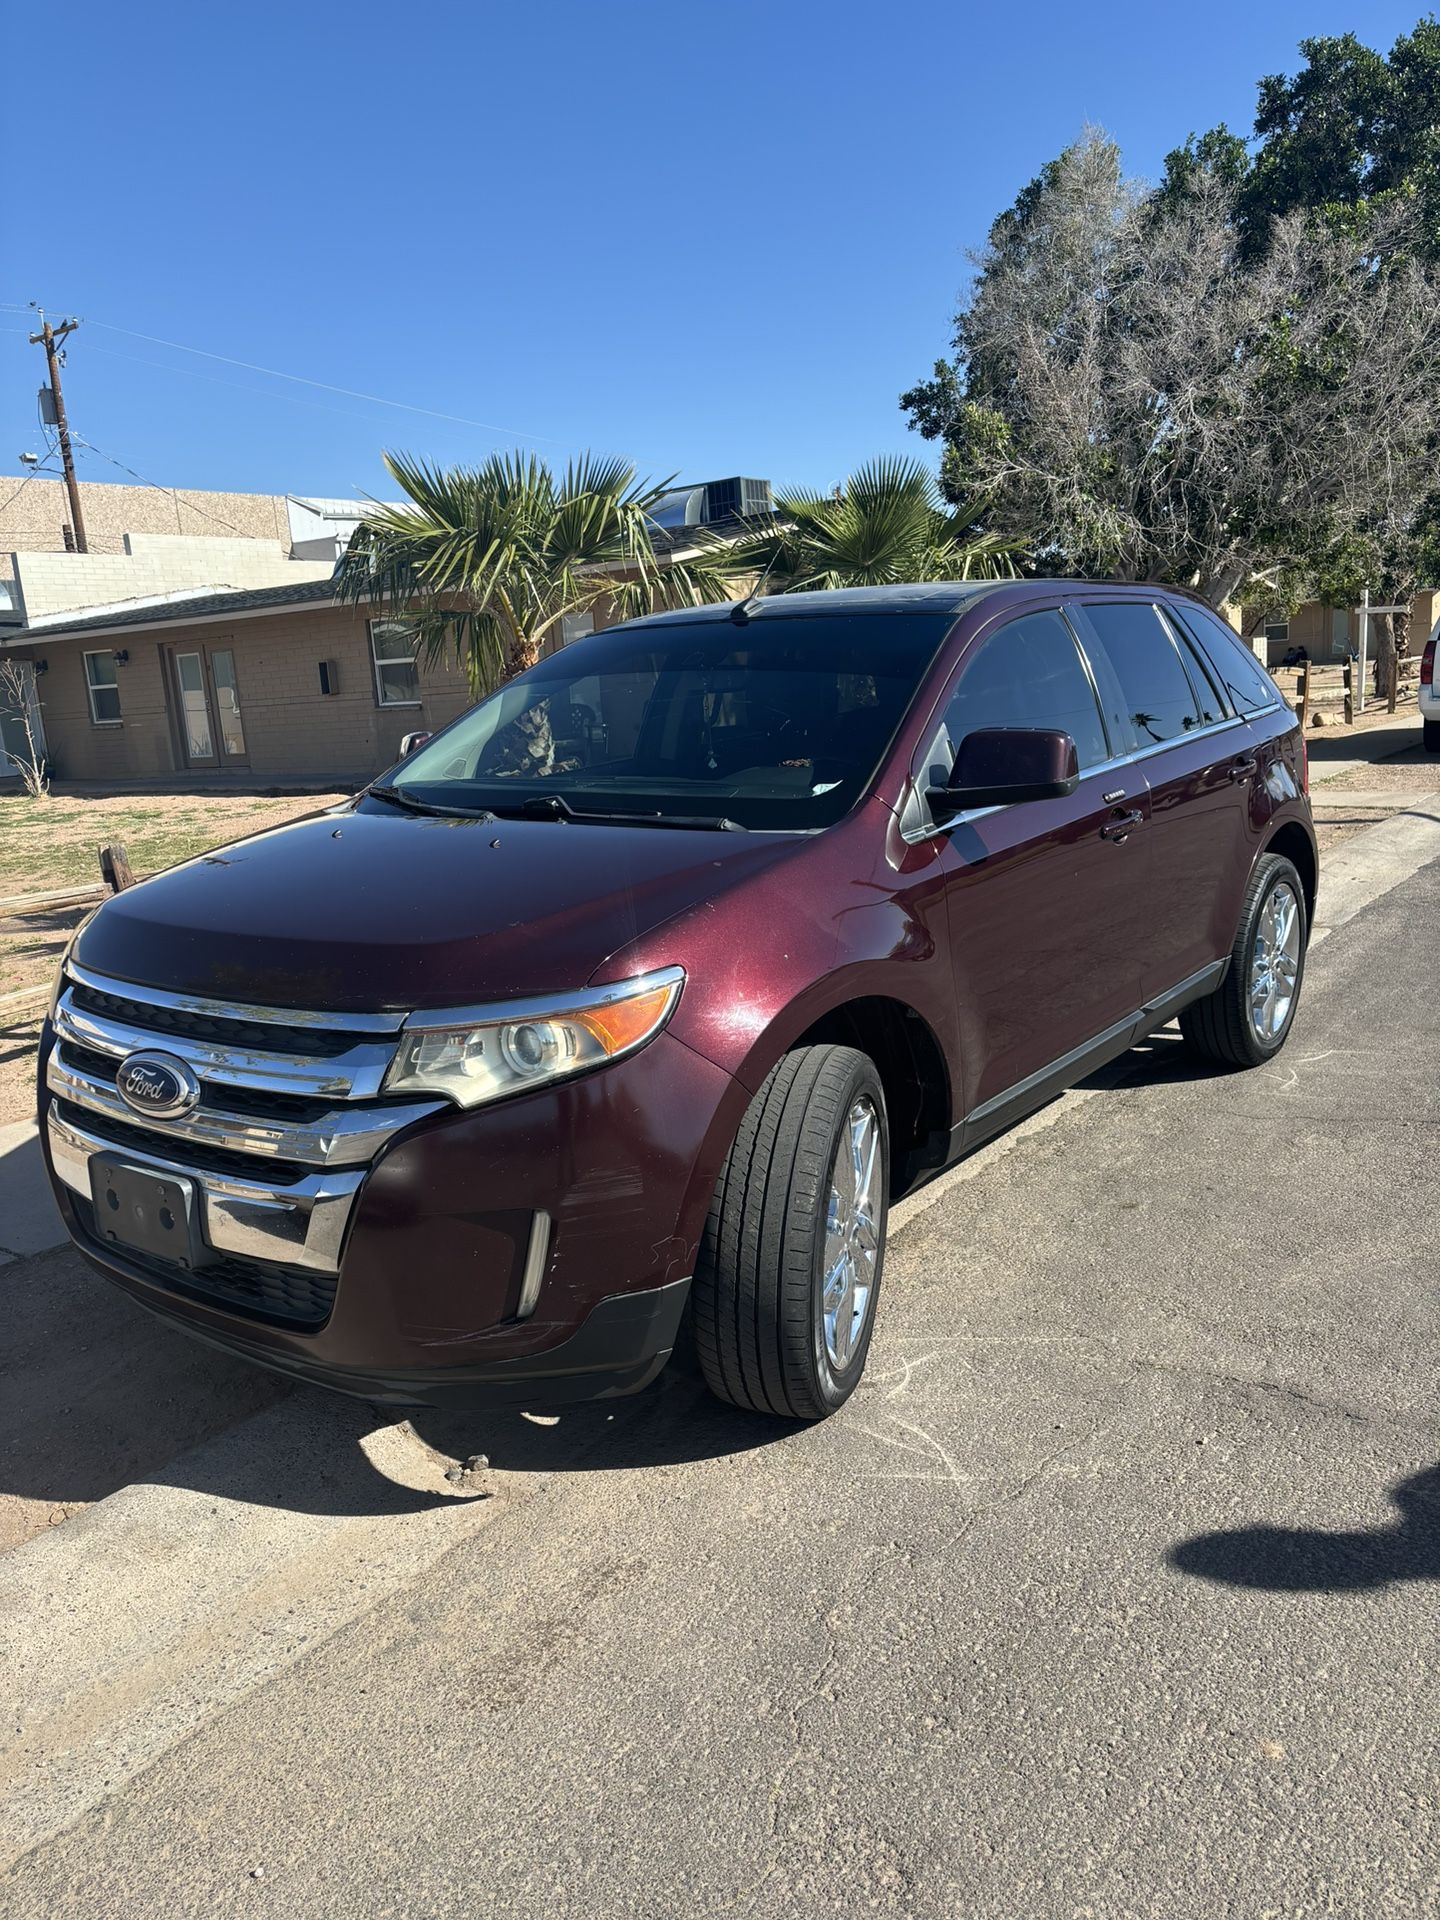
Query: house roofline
174, 616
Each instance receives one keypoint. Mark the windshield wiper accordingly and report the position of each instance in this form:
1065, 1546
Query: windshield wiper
414, 805
554, 806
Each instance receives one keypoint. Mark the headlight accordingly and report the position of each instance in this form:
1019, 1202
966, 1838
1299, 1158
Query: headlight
472, 1061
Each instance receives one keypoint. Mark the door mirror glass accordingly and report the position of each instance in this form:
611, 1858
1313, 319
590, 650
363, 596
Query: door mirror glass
410, 741
997, 766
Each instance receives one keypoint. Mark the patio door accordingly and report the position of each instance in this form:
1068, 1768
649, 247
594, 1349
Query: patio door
207, 706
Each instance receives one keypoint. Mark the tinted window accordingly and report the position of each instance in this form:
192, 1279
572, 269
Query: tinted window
1249, 686
1203, 678
776, 724
1157, 702
1029, 674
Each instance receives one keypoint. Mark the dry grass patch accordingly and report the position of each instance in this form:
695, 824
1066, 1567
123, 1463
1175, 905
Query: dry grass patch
52, 842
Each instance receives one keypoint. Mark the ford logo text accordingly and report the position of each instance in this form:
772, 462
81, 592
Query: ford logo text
157, 1084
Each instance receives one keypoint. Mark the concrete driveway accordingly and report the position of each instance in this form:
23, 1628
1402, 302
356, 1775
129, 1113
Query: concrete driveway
1112, 1594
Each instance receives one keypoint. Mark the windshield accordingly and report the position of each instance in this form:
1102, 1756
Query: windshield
780, 723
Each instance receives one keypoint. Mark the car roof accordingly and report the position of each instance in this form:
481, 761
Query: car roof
941, 596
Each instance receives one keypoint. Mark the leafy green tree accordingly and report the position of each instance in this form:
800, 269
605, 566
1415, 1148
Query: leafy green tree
1353, 139
486, 561
1352, 129
1229, 378
888, 524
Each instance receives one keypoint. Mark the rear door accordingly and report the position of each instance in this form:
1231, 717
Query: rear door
1196, 758
1046, 899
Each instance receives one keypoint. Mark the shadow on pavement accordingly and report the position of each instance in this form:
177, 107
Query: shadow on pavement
1161, 1061
675, 1421
1397, 738
1306, 1560
96, 1394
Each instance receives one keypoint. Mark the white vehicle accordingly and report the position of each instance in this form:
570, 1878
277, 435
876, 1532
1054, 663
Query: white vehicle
1430, 694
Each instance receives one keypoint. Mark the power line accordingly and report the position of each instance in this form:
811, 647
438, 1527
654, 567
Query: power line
34, 474
155, 487
304, 380
235, 386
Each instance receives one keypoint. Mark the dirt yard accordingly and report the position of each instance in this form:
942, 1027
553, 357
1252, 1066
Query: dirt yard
51, 843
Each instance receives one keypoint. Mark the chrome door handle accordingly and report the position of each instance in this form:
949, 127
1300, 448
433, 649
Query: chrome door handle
1118, 829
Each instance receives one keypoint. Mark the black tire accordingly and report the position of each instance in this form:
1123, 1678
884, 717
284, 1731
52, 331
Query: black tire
757, 1295
1430, 735
1219, 1026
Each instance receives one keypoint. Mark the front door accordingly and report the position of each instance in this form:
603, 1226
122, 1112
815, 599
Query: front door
207, 706
1046, 897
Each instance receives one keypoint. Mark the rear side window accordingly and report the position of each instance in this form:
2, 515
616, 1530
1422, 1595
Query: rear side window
1156, 700
1249, 686
1203, 677
1030, 674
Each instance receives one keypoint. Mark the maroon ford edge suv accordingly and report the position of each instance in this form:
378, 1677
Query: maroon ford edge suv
647, 985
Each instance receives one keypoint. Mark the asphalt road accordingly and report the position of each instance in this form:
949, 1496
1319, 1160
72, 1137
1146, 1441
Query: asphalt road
1112, 1594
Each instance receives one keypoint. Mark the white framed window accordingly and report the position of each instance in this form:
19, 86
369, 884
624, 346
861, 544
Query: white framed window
102, 684
392, 653
1277, 631
574, 626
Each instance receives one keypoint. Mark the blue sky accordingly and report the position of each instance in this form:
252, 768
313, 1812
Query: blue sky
715, 238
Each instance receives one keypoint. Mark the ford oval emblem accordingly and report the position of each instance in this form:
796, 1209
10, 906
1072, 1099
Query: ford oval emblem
157, 1084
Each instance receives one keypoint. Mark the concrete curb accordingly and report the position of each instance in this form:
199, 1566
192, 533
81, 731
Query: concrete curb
1383, 857
172, 1599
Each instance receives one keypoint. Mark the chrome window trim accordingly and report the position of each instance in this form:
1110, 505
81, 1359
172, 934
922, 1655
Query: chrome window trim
551, 1005
345, 1137
212, 1009
1195, 660
1120, 761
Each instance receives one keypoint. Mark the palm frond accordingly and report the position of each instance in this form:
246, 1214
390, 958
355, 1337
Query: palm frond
887, 525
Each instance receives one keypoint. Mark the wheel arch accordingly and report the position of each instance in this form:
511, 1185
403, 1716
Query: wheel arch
913, 1071
1292, 840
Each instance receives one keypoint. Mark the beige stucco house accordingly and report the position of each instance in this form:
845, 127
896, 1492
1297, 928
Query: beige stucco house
1328, 633
276, 684
195, 658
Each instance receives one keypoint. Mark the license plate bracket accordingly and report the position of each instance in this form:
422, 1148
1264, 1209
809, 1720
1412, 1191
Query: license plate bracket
146, 1211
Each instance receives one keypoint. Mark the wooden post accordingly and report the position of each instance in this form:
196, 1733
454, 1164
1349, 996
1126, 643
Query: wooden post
1302, 692
1349, 698
115, 868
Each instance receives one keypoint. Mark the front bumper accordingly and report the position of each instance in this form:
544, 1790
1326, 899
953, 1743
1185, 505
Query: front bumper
415, 1279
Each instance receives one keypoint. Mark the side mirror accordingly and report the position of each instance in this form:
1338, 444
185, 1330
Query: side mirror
996, 766
410, 741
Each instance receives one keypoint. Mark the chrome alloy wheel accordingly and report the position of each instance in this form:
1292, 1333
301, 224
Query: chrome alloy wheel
1275, 963
852, 1234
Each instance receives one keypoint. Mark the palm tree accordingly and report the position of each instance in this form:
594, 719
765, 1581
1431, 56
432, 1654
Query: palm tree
887, 524
488, 560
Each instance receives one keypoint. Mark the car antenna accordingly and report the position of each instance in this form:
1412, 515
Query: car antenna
740, 612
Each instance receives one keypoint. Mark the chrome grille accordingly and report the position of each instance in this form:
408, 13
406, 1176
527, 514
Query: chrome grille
226, 1031
289, 1120
263, 1290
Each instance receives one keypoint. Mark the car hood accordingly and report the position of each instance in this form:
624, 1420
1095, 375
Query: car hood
371, 910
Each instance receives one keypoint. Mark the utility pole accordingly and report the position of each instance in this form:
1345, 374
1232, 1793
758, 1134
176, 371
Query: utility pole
47, 337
